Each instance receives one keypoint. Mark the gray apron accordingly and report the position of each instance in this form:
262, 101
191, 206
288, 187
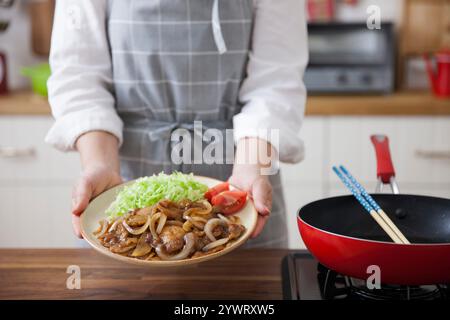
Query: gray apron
175, 62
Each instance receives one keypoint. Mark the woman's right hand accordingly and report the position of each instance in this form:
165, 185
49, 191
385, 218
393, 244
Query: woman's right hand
100, 161
92, 182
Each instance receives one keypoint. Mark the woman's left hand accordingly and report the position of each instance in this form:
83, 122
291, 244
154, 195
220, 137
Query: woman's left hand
249, 177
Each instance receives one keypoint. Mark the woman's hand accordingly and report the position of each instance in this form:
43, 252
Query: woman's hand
100, 161
248, 175
92, 182
248, 178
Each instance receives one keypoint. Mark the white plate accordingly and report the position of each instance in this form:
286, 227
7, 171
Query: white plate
96, 212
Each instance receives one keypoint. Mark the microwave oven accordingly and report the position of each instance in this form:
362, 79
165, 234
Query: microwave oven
350, 58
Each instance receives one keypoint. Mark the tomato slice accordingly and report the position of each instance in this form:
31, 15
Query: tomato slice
224, 186
230, 202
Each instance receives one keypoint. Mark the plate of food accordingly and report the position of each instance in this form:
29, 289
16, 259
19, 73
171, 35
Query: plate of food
169, 220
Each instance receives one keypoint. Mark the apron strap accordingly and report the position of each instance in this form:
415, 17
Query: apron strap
217, 29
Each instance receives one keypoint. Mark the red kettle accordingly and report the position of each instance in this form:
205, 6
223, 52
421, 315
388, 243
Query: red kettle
440, 79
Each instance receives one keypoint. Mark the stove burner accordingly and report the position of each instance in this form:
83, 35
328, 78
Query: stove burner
304, 278
335, 286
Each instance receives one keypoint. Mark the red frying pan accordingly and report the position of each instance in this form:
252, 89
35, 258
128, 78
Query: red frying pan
344, 238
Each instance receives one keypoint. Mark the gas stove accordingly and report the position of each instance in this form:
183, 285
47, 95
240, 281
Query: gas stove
306, 279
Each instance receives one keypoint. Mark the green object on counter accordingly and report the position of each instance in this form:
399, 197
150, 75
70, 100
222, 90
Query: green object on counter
39, 75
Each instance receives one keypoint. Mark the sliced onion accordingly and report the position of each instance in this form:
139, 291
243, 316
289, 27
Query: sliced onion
102, 228
221, 216
187, 226
201, 219
171, 211
200, 211
154, 210
215, 244
162, 222
189, 239
210, 225
153, 220
235, 219
115, 224
208, 207
139, 230
198, 222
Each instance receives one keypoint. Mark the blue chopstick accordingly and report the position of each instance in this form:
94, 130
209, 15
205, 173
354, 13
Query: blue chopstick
361, 189
370, 205
355, 193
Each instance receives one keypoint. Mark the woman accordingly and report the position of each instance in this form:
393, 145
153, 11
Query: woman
127, 74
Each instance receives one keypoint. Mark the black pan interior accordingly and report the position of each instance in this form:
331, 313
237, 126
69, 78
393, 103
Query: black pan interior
421, 219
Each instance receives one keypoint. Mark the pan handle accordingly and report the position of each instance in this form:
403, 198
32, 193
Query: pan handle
385, 168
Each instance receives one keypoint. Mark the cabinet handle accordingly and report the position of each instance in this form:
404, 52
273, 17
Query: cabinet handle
11, 152
433, 154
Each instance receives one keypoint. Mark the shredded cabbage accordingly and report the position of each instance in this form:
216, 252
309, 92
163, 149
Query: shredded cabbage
147, 191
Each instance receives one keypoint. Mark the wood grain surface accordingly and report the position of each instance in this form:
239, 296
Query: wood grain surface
397, 104
24, 103
42, 274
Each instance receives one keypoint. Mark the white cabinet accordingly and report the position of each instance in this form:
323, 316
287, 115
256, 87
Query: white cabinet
304, 182
310, 170
349, 144
35, 187
23, 135
422, 135
297, 195
35, 216
411, 140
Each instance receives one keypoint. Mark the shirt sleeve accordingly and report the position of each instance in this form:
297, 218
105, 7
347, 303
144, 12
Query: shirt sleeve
80, 87
273, 92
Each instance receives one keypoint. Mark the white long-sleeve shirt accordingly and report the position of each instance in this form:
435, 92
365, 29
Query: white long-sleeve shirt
273, 93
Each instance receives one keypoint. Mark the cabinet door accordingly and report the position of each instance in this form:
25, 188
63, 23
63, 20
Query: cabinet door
350, 145
311, 168
424, 151
296, 196
303, 182
36, 216
19, 136
413, 141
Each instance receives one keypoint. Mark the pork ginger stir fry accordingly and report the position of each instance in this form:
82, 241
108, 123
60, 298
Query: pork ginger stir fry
170, 231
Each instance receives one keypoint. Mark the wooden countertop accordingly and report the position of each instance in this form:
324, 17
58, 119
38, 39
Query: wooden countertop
398, 104
24, 103
41, 274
